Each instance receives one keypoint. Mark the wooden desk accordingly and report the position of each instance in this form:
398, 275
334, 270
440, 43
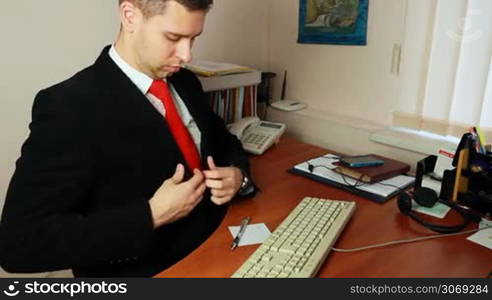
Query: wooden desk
372, 223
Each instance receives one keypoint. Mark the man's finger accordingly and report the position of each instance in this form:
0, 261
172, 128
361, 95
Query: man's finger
197, 178
220, 193
214, 184
214, 174
211, 163
198, 193
220, 200
178, 174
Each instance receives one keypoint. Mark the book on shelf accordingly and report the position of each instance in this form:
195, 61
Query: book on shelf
211, 68
389, 169
234, 104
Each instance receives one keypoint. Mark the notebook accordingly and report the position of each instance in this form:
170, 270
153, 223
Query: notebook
389, 169
321, 169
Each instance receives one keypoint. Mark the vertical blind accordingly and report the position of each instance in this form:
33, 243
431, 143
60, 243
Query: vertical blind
452, 88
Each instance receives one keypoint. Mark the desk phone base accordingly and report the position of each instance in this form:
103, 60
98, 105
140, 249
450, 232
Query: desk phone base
300, 244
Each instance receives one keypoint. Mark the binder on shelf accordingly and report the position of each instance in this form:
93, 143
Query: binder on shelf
321, 169
389, 169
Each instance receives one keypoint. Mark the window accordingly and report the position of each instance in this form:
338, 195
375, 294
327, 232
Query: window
446, 70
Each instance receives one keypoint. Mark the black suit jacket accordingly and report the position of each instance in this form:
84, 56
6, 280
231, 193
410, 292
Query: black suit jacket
96, 153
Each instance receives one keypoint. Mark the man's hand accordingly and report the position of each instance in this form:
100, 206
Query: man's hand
176, 198
223, 182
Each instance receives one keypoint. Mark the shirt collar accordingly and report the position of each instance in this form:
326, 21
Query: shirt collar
141, 80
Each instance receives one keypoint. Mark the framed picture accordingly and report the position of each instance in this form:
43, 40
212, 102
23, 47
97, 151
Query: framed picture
340, 22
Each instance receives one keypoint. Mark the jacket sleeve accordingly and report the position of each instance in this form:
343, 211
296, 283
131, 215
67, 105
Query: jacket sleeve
45, 223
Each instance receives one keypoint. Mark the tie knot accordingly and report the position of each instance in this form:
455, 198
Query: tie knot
158, 87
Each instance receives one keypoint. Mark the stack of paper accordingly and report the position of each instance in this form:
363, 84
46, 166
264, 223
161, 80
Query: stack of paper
210, 68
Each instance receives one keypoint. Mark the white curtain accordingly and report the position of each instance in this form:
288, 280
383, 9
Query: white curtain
446, 68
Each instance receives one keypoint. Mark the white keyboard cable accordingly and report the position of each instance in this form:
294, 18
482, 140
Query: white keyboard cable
397, 242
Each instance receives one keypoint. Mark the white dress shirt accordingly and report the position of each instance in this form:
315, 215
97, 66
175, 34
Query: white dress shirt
143, 83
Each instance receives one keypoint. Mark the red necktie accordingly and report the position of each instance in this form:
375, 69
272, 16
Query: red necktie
160, 89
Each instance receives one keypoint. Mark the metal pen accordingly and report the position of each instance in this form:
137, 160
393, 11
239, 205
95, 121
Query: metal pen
236, 240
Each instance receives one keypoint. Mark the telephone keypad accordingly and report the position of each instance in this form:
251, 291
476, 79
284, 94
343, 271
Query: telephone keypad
257, 139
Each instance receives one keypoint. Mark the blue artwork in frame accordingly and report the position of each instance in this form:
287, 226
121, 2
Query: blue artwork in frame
339, 22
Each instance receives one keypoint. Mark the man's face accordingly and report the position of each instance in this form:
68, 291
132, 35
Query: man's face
161, 44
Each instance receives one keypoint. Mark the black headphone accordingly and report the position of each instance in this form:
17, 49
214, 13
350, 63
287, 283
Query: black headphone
428, 197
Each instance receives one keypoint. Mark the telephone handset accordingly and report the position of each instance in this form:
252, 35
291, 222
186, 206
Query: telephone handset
256, 135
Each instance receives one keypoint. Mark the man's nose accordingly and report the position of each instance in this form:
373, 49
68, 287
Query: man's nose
184, 51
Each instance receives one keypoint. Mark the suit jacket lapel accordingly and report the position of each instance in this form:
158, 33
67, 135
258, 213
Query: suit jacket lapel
127, 99
123, 92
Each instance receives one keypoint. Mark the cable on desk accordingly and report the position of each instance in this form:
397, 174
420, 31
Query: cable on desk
358, 182
397, 242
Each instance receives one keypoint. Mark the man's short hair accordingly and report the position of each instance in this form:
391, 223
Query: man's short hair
151, 8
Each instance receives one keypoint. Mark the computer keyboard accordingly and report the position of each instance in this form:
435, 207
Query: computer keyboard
300, 244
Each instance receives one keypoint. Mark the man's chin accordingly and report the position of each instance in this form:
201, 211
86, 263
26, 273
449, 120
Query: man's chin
161, 74
166, 73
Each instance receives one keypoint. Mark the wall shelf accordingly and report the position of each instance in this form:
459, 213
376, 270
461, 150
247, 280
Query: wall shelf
230, 81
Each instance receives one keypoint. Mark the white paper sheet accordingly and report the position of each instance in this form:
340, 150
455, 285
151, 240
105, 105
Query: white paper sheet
483, 237
253, 234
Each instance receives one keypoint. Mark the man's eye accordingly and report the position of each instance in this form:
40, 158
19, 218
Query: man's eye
172, 38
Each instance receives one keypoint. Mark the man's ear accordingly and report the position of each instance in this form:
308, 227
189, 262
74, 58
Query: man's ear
130, 16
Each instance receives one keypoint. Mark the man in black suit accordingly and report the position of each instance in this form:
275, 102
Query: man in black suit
104, 186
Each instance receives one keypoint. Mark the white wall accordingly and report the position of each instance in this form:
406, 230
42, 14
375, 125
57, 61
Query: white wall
237, 32
45, 42
353, 81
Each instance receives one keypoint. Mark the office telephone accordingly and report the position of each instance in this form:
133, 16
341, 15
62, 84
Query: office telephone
256, 135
